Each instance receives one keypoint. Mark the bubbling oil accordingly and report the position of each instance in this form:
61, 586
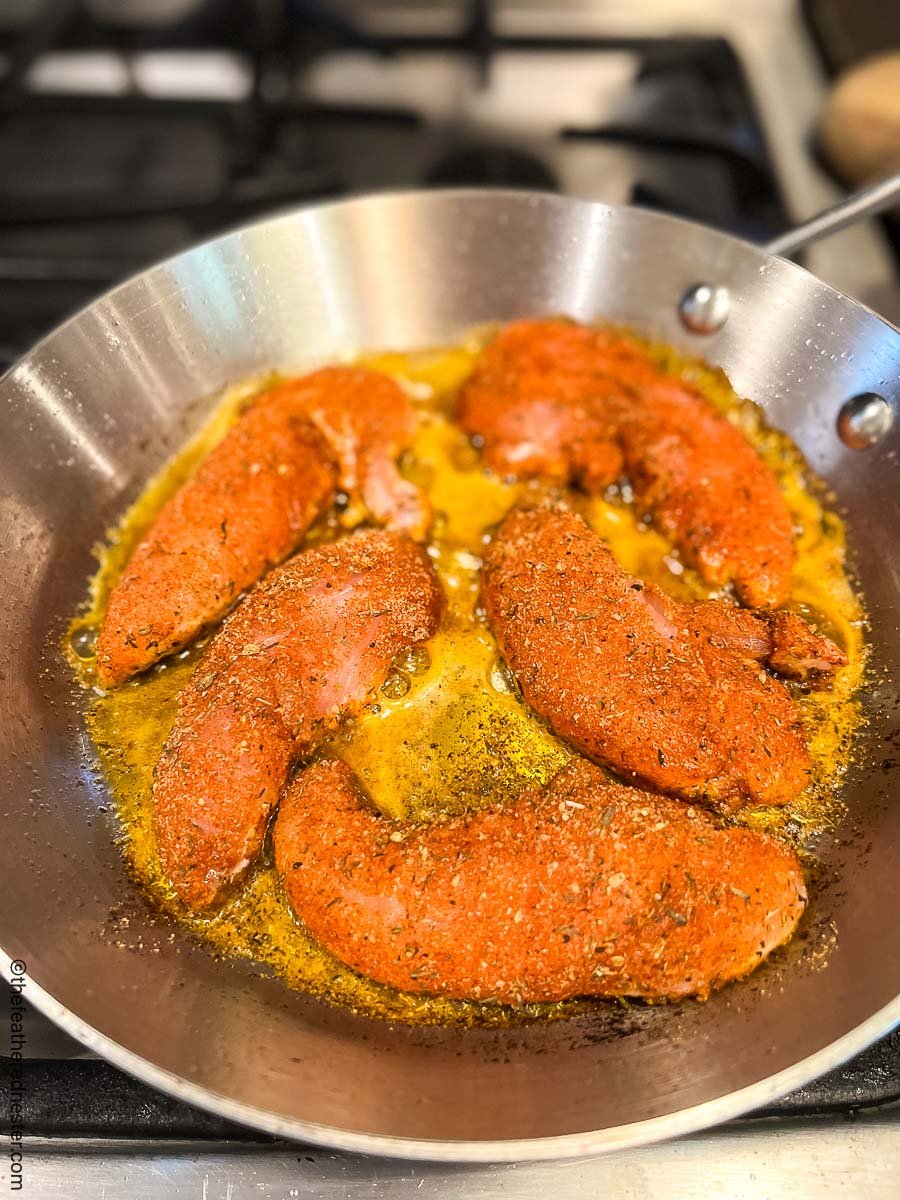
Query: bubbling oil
447, 731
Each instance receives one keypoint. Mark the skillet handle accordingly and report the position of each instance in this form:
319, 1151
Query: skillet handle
871, 200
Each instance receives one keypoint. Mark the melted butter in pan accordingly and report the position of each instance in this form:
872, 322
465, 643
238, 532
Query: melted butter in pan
447, 731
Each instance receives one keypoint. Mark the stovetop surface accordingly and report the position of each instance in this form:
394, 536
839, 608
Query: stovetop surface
112, 161
97, 184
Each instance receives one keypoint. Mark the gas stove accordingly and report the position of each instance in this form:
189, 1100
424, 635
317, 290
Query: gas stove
121, 143
130, 130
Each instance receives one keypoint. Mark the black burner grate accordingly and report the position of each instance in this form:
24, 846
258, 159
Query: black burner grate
98, 185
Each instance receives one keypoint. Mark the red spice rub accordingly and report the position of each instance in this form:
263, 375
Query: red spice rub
669, 695
368, 421
246, 508
304, 650
587, 888
556, 399
250, 503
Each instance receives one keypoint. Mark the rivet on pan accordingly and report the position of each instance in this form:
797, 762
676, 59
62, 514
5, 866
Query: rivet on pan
704, 308
864, 420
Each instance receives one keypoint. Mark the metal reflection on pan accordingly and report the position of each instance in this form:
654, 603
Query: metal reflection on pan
404, 271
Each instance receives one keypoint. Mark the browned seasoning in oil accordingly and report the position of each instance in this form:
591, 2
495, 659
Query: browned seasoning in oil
448, 730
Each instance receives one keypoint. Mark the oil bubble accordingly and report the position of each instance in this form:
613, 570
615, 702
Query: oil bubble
395, 686
414, 661
83, 641
501, 678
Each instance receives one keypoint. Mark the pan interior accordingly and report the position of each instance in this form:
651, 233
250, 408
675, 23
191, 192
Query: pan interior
448, 731
96, 409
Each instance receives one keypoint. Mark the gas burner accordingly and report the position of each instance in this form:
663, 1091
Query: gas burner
491, 166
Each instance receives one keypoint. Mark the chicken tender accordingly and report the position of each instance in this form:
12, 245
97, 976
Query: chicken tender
303, 651
585, 888
671, 696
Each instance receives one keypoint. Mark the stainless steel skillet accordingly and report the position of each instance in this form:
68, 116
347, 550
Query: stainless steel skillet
100, 403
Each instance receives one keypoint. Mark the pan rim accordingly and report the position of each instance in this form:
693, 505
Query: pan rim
559, 1147
529, 197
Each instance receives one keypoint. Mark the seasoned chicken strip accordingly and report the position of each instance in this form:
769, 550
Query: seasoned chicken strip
246, 508
250, 503
368, 421
304, 650
587, 888
669, 695
552, 398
